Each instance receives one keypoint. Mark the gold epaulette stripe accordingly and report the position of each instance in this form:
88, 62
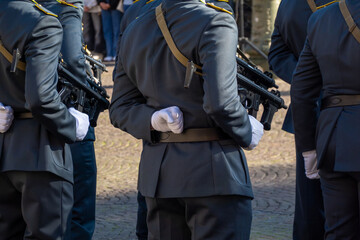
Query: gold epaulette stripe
135, 1
218, 8
149, 1
223, 1
43, 9
66, 3
327, 4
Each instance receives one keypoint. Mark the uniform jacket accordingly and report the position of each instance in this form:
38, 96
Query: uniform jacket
71, 48
148, 78
36, 144
329, 63
288, 40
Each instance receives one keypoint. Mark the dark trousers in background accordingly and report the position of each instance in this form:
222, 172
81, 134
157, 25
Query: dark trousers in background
309, 219
211, 218
93, 34
141, 226
83, 213
34, 205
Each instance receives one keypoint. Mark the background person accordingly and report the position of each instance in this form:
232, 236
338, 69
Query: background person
328, 65
287, 41
92, 29
111, 19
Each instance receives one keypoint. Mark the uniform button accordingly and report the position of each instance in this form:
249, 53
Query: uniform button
336, 100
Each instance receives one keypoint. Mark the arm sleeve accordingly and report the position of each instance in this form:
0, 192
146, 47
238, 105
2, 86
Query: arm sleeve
221, 102
128, 110
305, 91
281, 59
42, 57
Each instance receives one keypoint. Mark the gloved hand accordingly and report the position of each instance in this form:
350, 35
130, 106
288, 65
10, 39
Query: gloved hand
6, 117
257, 132
310, 162
168, 119
82, 123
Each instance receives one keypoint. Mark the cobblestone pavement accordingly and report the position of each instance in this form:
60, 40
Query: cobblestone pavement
271, 164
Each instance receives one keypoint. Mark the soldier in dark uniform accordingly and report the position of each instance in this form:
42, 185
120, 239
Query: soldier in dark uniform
136, 9
196, 186
287, 41
36, 170
83, 153
329, 64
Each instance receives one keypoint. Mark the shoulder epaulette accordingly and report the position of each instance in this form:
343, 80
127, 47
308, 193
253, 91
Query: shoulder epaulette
135, 1
218, 8
149, 1
314, 8
66, 3
327, 4
44, 10
223, 1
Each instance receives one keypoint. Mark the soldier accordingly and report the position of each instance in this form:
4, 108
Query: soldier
83, 153
287, 41
196, 181
36, 170
328, 65
137, 8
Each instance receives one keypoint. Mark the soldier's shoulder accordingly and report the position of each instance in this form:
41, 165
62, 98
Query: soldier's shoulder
43, 10
215, 6
221, 5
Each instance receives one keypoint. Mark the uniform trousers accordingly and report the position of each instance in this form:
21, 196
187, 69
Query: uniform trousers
341, 192
34, 205
141, 226
211, 218
309, 219
83, 213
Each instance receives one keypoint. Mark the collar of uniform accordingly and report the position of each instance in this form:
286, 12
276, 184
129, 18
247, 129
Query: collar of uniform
166, 4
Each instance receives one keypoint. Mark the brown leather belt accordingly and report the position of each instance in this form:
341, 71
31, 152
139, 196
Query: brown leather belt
340, 101
193, 135
23, 115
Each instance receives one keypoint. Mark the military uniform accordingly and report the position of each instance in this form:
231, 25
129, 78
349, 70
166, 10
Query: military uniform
83, 153
329, 64
180, 178
36, 170
287, 41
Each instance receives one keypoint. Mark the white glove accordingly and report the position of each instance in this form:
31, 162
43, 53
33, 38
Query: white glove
257, 130
310, 163
168, 119
6, 117
82, 123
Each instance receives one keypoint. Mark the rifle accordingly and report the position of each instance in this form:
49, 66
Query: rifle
253, 87
88, 97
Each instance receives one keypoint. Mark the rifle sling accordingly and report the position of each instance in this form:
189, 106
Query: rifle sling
353, 28
20, 65
170, 42
312, 5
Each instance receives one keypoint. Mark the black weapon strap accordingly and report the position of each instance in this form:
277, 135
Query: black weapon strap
353, 28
